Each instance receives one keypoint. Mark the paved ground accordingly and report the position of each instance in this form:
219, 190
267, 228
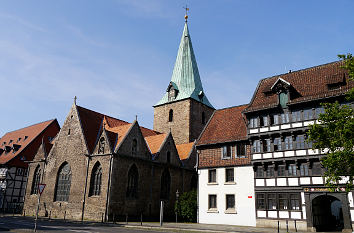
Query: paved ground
26, 224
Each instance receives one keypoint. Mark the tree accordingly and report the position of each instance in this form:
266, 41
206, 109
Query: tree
335, 135
186, 207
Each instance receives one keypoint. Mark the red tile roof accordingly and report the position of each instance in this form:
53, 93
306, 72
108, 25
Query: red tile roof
155, 142
184, 150
310, 84
225, 125
23, 138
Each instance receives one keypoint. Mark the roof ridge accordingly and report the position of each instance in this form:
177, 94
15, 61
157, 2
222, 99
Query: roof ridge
29, 126
236, 106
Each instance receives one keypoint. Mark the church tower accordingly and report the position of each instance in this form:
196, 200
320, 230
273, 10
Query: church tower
184, 109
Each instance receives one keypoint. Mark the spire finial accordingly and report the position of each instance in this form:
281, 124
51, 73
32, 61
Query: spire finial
75, 98
186, 15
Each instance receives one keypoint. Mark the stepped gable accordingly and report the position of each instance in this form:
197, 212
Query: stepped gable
307, 84
155, 142
185, 150
13, 143
225, 125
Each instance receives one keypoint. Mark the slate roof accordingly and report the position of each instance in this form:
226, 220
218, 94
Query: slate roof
310, 84
185, 76
21, 139
184, 150
225, 125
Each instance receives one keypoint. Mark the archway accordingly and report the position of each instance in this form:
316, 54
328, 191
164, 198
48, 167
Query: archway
327, 213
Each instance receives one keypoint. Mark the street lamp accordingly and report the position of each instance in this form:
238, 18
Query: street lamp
177, 196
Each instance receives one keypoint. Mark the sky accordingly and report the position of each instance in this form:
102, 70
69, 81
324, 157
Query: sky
117, 56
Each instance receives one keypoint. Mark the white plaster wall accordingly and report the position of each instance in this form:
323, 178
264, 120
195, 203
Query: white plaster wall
287, 126
278, 154
267, 155
350, 199
274, 128
301, 152
295, 125
244, 197
281, 181
305, 180
289, 153
317, 180
257, 156
253, 131
265, 129
293, 182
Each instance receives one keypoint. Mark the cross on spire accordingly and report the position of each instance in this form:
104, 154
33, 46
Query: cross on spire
187, 9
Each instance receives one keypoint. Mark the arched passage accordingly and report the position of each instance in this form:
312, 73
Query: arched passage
327, 213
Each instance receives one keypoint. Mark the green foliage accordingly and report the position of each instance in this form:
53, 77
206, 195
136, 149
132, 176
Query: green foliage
186, 207
335, 135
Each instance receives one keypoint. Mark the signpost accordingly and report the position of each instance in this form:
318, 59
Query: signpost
40, 191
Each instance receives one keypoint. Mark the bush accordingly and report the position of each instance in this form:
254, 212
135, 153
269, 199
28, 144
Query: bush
186, 207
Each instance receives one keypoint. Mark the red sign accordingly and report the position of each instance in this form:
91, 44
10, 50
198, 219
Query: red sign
249, 196
41, 188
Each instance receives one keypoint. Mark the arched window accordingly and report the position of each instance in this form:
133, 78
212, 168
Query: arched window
170, 115
168, 157
36, 180
203, 118
62, 188
96, 180
134, 146
133, 178
165, 184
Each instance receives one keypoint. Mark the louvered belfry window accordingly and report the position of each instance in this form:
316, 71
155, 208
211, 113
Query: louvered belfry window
133, 178
96, 180
63, 183
36, 180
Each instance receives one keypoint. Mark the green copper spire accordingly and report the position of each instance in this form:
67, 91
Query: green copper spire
185, 82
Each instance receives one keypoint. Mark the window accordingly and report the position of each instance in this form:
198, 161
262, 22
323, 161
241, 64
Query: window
304, 169
266, 145
168, 157
316, 169
274, 119
230, 201
283, 99
271, 202
36, 180
256, 146
229, 175
212, 176
134, 146
133, 180
277, 144
270, 171
259, 172
63, 183
96, 180
241, 150
284, 118
165, 185
300, 142
292, 170
294, 202
296, 115
253, 122
281, 170
226, 152
308, 114
101, 145
170, 115
283, 201
203, 118
264, 121
212, 201
318, 111
260, 200
288, 143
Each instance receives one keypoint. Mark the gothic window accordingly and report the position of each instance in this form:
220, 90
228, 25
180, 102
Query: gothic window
133, 178
203, 118
134, 146
62, 189
96, 180
170, 115
101, 145
165, 184
36, 180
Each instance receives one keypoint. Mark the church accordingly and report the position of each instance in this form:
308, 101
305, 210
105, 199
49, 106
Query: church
103, 168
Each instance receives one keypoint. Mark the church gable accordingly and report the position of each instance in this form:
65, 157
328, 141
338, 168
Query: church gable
168, 152
105, 142
133, 143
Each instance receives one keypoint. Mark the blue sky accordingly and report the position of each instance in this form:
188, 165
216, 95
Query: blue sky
117, 56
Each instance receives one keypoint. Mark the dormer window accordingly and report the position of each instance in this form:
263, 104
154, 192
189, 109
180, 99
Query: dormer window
282, 87
172, 91
16, 147
201, 95
25, 138
283, 99
7, 149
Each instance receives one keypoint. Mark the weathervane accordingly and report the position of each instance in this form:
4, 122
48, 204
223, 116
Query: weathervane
187, 9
